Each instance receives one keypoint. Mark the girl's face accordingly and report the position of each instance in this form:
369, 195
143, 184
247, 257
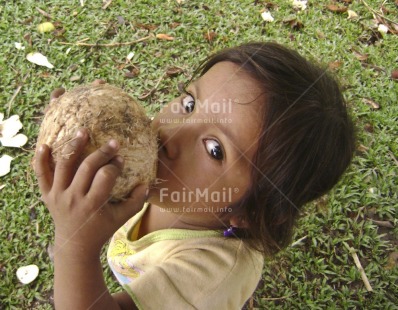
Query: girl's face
207, 141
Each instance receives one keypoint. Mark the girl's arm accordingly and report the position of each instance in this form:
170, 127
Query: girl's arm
77, 197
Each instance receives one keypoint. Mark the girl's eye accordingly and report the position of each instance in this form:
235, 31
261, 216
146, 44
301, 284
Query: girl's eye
214, 149
188, 103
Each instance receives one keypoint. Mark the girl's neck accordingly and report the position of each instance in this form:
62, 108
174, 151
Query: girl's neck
155, 218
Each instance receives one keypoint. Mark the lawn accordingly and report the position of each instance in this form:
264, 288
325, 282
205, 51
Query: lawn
354, 227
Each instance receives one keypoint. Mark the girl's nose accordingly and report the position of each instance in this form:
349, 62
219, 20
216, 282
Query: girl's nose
168, 143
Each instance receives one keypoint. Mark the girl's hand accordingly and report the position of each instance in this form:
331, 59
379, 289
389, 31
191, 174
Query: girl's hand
77, 196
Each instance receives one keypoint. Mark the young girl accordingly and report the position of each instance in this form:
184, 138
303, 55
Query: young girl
260, 133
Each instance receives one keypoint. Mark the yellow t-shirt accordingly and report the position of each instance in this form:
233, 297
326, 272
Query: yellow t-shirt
184, 269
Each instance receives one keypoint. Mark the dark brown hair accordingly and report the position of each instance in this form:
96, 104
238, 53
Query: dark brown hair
307, 140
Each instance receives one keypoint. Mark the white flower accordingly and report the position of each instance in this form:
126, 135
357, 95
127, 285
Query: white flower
5, 164
267, 16
382, 28
19, 46
8, 132
39, 59
27, 274
299, 4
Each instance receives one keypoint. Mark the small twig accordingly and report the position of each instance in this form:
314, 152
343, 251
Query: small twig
298, 241
360, 268
35, 204
108, 44
277, 298
377, 13
153, 89
15, 94
44, 13
106, 4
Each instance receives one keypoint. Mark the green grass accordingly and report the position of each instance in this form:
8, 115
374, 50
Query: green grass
319, 272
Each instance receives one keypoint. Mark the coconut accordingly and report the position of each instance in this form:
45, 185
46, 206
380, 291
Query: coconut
108, 113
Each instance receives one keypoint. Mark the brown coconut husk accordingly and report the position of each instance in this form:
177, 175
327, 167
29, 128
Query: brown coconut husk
108, 113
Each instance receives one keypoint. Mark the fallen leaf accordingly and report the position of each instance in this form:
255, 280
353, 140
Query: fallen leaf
163, 36
336, 8
351, 14
19, 46
173, 71
210, 36
45, 27
334, 64
361, 148
368, 128
148, 27
266, 16
132, 73
387, 224
293, 22
5, 164
59, 32
359, 56
371, 103
39, 59
2, 186
394, 74
27, 274
174, 25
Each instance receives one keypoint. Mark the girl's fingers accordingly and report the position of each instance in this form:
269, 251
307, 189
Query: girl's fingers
68, 163
131, 206
43, 169
104, 180
92, 165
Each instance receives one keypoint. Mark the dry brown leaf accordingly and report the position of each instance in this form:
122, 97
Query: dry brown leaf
368, 128
334, 64
359, 56
336, 8
361, 148
394, 74
174, 71
387, 224
373, 104
210, 36
163, 36
293, 22
174, 25
132, 73
45, 75
148, 27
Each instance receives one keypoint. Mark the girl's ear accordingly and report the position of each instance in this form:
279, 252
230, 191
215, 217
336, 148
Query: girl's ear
238, 221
